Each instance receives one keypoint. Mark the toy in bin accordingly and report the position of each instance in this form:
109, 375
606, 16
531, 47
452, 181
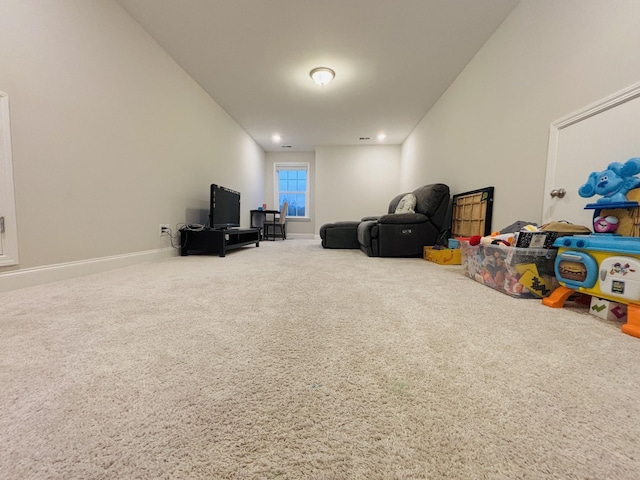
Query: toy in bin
518, 272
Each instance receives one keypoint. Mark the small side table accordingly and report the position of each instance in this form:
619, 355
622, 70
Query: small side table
259, 218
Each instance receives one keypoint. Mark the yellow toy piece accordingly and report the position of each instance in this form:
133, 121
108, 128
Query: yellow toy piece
522, 268
538, 285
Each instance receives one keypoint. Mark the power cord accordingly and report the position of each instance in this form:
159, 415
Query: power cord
187, 227
194, 227
167, 231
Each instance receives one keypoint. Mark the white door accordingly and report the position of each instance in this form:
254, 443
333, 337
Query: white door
8, 229
584, 142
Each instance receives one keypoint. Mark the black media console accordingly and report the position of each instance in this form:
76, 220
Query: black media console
212, 240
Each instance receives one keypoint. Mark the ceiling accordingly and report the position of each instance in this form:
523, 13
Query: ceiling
393, 59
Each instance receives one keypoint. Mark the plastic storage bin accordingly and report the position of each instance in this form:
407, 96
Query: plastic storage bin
518, 272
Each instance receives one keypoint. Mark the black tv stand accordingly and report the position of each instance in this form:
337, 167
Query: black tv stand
218, 241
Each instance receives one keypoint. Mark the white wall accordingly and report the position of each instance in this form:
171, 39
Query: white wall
354, 181
295, 227
110, 137
547, 60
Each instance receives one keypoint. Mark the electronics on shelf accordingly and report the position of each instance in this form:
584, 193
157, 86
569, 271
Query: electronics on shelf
224, 208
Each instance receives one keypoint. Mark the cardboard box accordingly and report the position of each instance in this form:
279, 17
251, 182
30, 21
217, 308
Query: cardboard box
443, 256
518, 272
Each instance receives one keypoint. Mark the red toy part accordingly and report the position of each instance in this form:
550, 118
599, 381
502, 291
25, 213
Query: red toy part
475, 240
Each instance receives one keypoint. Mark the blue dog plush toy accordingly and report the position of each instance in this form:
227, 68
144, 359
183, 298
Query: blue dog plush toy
613, 183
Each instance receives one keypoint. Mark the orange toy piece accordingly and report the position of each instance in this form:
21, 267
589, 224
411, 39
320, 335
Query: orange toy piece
562, 293
632, 327
558, 297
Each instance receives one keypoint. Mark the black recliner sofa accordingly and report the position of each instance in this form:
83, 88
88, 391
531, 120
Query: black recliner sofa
396, 234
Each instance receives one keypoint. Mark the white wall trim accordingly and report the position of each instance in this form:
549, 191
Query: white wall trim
305, 236
29, 277
611, 101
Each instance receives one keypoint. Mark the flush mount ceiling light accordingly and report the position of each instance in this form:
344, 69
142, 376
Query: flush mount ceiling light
322, 75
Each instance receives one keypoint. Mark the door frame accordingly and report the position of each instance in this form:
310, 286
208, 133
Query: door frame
8, 227
556, 128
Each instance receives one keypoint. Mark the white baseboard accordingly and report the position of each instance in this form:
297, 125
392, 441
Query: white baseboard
29, 277
306, 236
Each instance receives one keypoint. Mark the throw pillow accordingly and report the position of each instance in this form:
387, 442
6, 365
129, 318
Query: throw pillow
407, 204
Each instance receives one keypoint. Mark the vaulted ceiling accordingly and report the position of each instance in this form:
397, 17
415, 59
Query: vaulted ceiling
393, 59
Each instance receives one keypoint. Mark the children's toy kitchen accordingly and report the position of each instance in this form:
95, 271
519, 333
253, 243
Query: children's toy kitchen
605, 264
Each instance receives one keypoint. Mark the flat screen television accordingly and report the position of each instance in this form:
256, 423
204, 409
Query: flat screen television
224, 207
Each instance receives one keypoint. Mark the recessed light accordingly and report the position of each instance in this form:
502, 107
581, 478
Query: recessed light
276, 138
382, 136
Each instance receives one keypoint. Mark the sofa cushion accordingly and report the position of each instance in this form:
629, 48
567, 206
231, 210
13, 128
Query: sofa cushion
406, 204
430, 198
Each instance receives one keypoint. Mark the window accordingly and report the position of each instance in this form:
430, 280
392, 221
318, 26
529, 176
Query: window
292, 186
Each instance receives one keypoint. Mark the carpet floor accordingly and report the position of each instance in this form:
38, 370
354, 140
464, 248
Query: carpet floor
289, 361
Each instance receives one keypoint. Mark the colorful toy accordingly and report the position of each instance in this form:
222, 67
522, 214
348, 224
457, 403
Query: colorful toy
608, 310
539, 285
613, 183
608, 224
507, 239
496, 238
512, 286
602, 265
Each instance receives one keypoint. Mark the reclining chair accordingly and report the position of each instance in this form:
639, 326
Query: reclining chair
407, 227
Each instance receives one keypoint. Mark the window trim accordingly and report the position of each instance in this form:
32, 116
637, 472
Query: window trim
276, 189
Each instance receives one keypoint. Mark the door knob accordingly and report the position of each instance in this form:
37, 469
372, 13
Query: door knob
560, 193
